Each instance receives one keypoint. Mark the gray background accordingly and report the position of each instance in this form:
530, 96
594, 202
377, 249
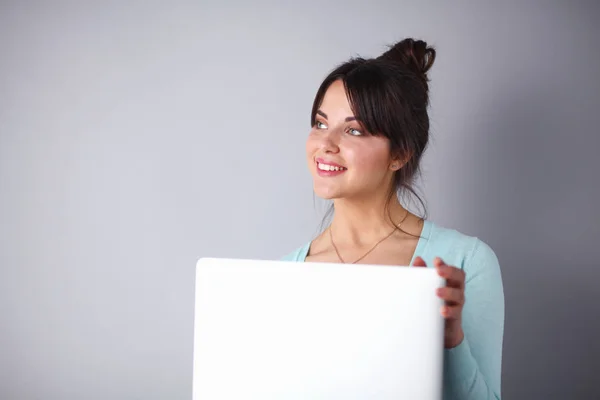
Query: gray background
137, 137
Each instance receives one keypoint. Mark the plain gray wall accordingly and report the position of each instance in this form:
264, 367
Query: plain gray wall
136, 137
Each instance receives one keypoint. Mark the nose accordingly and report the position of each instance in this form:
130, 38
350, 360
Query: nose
330, 142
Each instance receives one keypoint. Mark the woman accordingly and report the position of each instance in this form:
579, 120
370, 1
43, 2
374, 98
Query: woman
369, 130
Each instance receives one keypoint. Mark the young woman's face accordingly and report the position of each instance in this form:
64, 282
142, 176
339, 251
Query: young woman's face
345, 160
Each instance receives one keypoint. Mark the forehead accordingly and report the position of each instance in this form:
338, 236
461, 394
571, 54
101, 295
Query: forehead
336, 101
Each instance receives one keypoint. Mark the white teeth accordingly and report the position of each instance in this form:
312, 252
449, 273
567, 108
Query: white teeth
326, 167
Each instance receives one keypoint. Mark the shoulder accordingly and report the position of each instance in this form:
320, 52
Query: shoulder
298, 254
467, 252
475, 257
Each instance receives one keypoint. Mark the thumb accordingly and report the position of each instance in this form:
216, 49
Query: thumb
419, 262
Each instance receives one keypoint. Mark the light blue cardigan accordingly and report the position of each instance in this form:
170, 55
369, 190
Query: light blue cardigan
472, 370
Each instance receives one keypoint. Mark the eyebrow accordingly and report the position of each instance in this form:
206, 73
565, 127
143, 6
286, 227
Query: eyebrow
348, 119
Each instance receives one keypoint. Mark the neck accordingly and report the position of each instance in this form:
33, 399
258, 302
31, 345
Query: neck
361, 222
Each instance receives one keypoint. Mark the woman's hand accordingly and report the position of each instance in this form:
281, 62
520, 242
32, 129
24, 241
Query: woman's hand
454, 296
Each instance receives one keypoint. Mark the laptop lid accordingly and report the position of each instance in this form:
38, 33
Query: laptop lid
283, 330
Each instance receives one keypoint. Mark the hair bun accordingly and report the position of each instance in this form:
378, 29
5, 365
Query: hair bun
415, 54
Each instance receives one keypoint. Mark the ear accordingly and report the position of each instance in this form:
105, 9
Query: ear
395, 165
399, 160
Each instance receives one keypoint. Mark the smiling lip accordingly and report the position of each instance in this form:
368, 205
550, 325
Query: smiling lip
333, 169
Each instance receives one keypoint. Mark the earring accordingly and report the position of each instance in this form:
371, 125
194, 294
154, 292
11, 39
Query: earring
394, 166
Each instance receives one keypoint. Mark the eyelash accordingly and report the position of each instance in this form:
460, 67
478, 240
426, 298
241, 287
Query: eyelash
318, 123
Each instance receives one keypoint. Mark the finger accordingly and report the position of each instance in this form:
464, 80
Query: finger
419, 262
452, 296
438, 262
441, 267
455, 277
451, 312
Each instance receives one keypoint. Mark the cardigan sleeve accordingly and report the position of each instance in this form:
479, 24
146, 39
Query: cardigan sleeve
472, 370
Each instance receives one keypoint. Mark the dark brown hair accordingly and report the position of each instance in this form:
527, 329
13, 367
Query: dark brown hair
389, 96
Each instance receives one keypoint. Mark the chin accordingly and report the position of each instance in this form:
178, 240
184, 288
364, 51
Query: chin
327, 193
326, 197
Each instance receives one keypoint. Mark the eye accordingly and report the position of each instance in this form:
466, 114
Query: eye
320, 125
354, 132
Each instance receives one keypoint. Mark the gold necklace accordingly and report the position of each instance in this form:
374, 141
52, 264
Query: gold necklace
364, 255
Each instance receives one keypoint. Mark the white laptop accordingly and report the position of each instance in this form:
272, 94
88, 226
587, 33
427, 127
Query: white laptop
278, 330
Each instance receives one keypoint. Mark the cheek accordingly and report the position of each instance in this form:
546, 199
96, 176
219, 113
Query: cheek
371, 160
311, 145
